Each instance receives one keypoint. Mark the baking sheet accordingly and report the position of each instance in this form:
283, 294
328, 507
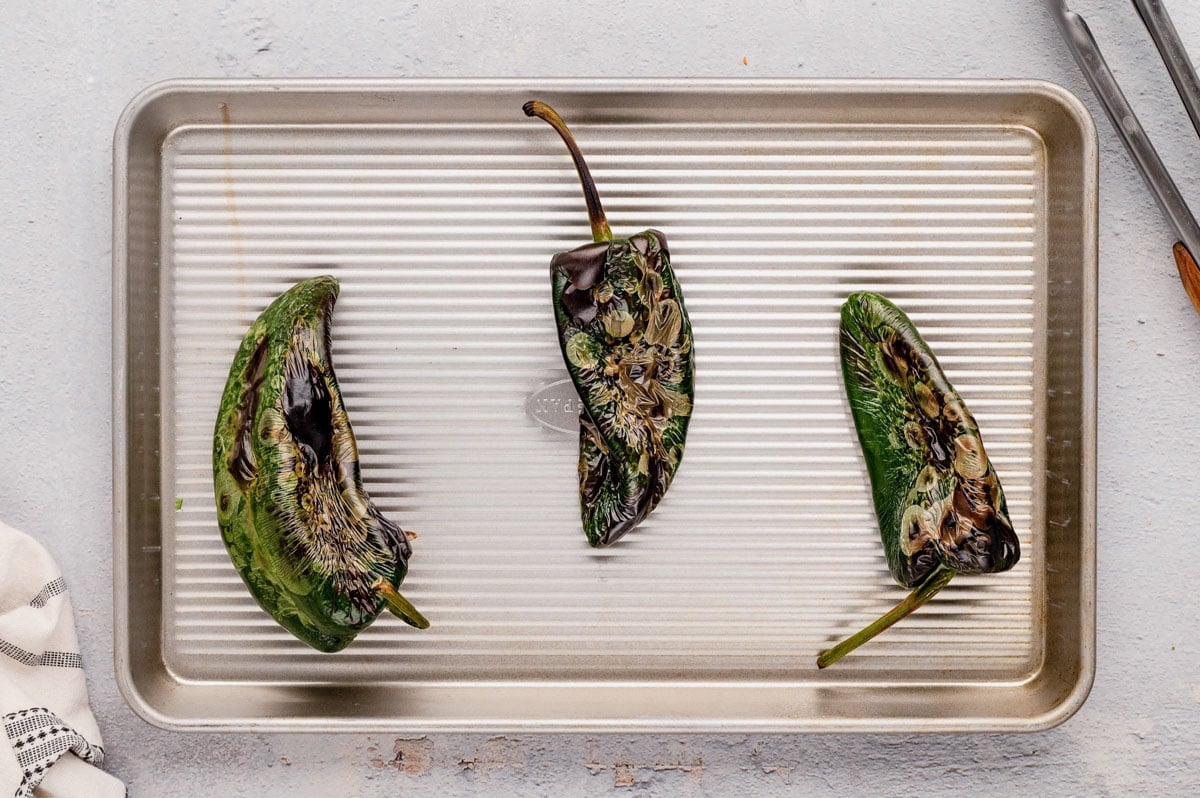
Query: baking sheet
438, 205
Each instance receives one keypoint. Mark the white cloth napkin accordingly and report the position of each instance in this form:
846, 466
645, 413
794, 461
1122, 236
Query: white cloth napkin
49, 742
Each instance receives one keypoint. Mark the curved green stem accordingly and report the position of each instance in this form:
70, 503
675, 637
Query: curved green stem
600, 228
921, 594
401, 607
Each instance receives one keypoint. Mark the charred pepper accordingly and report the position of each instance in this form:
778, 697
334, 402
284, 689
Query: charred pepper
300, 528
938, 501
627, 344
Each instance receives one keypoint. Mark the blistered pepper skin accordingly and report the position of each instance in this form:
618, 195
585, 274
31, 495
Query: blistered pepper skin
627, 344
300, 528
937, 497
938, 501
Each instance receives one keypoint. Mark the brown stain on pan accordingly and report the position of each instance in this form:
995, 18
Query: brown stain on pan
235, 227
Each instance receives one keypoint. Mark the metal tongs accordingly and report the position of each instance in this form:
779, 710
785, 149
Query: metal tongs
1087, 54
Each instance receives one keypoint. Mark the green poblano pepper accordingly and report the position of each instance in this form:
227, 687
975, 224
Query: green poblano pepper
938, 501
300, 529
627, 344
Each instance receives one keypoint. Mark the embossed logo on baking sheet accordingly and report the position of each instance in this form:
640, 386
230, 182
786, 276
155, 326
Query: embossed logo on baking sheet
556, 406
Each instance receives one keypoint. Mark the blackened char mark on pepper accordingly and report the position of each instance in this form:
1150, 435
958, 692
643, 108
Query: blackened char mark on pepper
242, 464
1006, 547
641, 241
623, 519
989, 543
583, 268
601, 474
396, 541
308, 411
921, 564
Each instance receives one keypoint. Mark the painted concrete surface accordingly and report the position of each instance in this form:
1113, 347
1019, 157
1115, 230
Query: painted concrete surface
68, 71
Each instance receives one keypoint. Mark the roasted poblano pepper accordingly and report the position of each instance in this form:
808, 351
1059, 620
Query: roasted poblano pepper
938, 501
627, 344
299, 527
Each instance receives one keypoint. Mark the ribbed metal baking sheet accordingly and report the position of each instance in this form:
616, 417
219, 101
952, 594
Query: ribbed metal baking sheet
438, 205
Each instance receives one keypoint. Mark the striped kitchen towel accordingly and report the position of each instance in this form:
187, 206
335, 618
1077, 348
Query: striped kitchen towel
50, 744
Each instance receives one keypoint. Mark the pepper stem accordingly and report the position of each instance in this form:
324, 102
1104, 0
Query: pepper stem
600, 228
401, 607
921, 594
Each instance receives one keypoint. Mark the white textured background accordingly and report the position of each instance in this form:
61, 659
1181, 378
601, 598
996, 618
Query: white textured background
68, 73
